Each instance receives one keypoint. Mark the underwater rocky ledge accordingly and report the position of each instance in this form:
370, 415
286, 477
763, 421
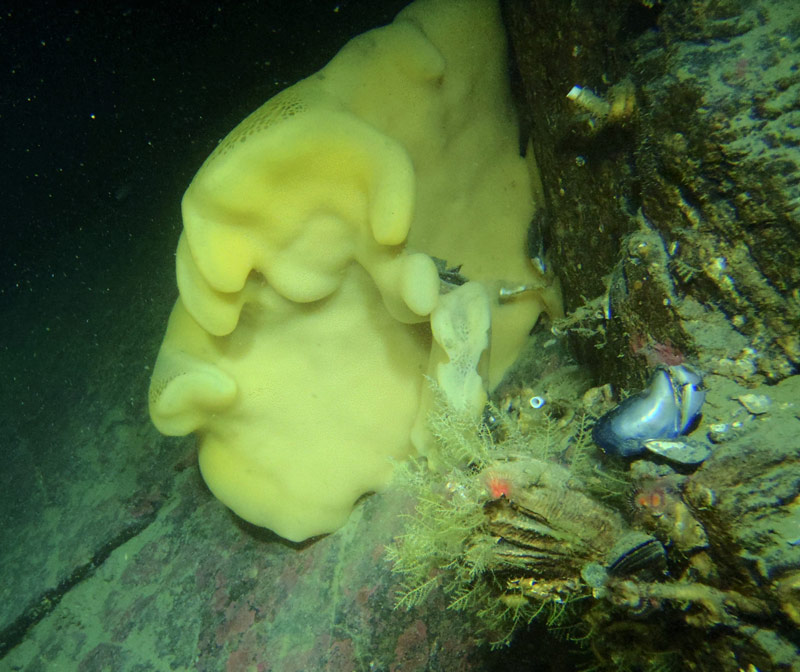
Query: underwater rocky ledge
689, 191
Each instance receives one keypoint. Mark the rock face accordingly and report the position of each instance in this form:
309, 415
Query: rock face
680, 206
672, 192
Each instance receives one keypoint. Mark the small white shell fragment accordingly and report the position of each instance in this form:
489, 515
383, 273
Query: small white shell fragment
589, 101
719, 432
536, 402
683, 451
755, 403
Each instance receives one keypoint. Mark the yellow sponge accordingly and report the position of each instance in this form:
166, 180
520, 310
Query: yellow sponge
298, 347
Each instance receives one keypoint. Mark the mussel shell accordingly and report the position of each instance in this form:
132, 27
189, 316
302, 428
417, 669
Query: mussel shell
690, 394
682, 451
637, 554
667, 408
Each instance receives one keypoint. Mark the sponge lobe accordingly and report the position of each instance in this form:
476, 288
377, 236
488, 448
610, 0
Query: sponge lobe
297, 203
186, 387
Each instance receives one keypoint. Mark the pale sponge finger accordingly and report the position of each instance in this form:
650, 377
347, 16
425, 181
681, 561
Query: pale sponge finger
185, 388
419, 283
216, 312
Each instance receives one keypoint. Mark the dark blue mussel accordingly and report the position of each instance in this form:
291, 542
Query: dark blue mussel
656, 418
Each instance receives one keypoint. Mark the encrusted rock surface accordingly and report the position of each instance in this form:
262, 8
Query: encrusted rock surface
689, 194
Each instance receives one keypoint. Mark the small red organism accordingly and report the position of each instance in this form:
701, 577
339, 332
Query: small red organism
666, 353
652, 498
638, 341
656, 353
498, 486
